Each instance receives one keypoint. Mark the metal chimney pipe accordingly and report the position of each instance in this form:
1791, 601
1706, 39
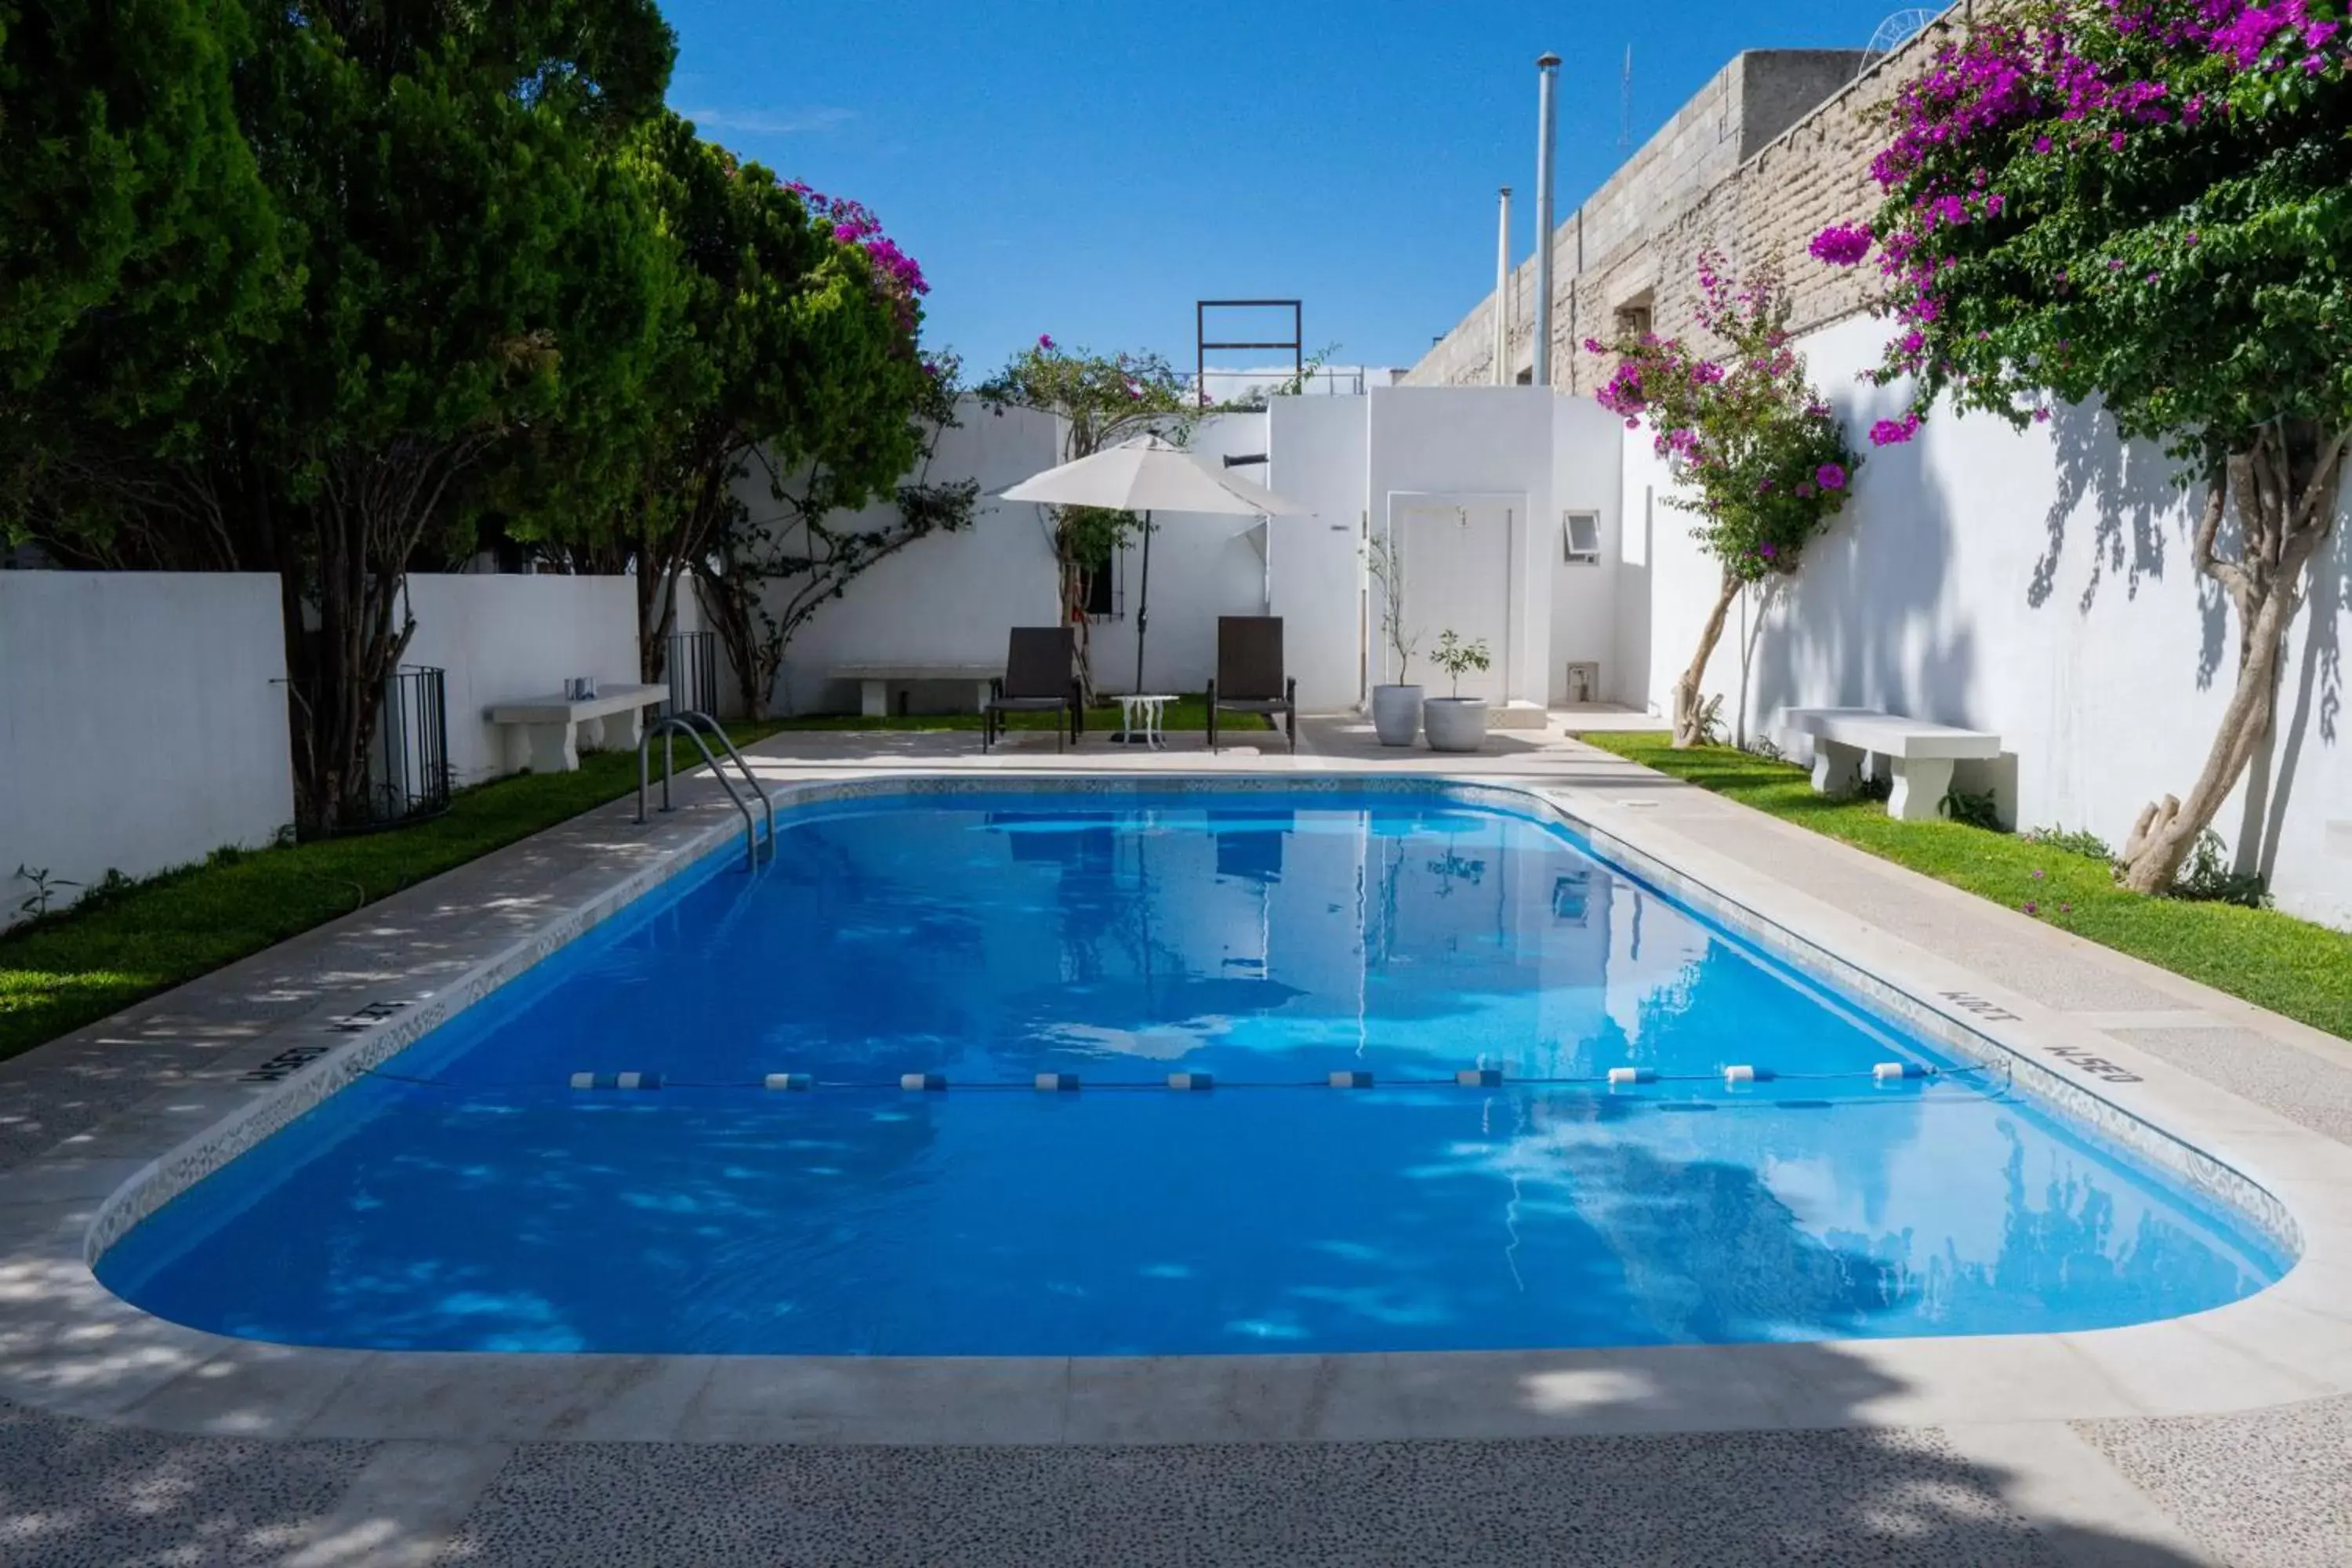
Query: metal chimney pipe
1547, 80
1503, 292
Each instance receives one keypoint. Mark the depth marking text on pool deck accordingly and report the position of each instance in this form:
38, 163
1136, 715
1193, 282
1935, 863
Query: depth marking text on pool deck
2080, 1061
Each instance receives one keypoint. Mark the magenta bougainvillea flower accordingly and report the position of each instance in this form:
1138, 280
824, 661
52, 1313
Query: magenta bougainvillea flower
1829, 477
1842, 244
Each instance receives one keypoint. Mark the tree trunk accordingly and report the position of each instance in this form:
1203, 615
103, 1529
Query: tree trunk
1687, 698
1076, 582
2286, 486
730, 594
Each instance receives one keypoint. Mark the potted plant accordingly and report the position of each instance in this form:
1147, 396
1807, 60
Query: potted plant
1396, 709
1458, 723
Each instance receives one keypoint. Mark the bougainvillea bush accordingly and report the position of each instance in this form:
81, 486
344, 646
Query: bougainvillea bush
2148, 202
1763, 461
1102, 400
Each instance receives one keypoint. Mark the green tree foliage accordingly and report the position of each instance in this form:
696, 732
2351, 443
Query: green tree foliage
465, 262
136, 241
328, 287
775, 567
1764, 463
1101, 400
2144, 206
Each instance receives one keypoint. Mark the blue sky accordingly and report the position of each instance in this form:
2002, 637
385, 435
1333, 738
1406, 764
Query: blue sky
1088, 168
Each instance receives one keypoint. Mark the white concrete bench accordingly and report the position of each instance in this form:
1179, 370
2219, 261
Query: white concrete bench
873, 681
1921, 755
546, 733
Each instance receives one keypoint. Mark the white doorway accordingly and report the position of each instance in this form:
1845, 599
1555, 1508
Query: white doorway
1456, 552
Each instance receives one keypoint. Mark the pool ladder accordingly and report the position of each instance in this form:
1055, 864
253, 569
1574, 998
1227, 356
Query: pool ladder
692, 725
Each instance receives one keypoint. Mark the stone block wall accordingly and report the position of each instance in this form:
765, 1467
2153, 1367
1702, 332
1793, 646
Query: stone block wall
1774, 149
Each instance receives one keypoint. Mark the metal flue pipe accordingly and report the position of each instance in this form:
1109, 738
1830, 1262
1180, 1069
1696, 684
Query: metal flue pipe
1546, 84
1503, 292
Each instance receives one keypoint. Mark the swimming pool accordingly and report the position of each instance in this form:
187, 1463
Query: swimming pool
466, 1197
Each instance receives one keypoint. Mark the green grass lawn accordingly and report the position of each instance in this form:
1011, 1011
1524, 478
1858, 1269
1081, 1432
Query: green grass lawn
1190, 712
2274, 961
75, 966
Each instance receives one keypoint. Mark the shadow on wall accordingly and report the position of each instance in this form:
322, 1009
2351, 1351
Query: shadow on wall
2142, 511
1860, 623
2315, 681
2134, 491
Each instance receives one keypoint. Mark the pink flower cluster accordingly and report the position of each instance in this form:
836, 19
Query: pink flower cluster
1842, 244
898, 274
2085, 78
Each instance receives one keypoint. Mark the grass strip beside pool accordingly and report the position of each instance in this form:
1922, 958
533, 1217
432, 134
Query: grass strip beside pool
82, 964
2274, 961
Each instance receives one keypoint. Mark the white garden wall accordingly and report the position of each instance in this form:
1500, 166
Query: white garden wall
142, 722
1477, 447
1318, 458
1588, 599
502, 638
948, 599
1354, 461
2039, 585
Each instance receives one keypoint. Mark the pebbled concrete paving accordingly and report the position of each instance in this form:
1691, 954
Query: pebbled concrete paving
1778, 1497
2272, 1489
2299, 1085
76, 1493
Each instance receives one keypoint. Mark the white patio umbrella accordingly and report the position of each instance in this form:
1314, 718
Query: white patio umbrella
1147, 475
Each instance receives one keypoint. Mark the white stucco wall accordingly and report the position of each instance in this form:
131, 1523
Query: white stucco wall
1203, 566
1350, 459
948, 599
1319, 460
142, 722
1427, 443
502, 638
1588, 455
2038, 585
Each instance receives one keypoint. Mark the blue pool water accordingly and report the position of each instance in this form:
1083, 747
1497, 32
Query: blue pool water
467, 1198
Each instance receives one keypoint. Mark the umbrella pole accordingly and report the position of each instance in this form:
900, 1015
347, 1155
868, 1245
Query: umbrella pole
1143, 603
1142, 615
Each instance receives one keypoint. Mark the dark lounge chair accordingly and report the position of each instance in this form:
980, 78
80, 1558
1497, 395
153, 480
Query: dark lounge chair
1039, 677
1250, 676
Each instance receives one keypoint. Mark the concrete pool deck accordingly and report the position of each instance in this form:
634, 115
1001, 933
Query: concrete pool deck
2218, 1438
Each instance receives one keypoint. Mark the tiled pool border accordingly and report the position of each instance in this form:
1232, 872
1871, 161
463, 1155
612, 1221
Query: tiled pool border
2008, 1036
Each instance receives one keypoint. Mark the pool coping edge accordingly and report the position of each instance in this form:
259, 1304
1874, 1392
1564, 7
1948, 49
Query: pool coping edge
2234, 1357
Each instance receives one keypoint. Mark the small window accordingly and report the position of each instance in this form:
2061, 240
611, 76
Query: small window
1580, 538
1636, 316
1103, 595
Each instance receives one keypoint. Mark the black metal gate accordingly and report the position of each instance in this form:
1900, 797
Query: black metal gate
692, 664
409, 767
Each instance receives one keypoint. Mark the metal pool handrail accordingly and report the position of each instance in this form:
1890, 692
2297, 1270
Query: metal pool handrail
690, 724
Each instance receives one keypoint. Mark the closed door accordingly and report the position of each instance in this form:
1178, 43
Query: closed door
1457, 576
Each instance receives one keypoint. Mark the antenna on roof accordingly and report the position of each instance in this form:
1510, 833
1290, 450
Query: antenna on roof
1625, 106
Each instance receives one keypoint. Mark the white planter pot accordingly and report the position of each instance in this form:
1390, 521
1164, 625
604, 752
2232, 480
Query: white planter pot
1396, 714
1454, 723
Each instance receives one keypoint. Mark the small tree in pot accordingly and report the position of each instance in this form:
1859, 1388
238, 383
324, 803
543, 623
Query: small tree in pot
1458, 723
1396, 707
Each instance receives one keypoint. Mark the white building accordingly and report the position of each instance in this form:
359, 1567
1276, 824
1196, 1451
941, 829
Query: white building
1479, 489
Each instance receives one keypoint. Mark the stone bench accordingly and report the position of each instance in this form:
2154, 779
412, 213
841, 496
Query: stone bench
873, 681
1922, 754
546, 734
